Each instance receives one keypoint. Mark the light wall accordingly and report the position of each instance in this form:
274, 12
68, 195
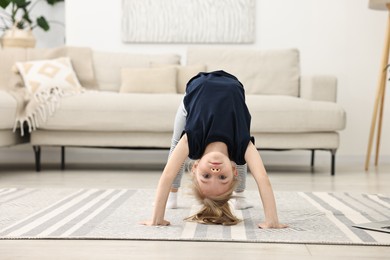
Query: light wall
338, 37
55, 15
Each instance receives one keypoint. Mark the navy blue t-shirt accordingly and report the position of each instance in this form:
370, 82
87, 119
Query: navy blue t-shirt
216, 112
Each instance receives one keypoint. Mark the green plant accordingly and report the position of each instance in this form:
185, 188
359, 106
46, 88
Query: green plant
18, 12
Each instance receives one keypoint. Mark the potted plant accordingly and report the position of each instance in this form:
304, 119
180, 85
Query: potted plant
17, 23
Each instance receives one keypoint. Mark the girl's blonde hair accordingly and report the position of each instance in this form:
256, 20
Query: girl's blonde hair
215, 210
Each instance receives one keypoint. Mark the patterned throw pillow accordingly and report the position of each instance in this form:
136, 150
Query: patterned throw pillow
48, 73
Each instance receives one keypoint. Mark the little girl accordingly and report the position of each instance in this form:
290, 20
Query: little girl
216, 124
239, 200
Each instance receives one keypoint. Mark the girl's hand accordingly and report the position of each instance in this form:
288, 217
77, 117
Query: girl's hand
265, 225
150, 223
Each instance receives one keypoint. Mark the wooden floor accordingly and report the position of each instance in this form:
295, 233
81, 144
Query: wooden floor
284, 178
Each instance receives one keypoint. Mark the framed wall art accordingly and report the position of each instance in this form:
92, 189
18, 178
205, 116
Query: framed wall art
188, 21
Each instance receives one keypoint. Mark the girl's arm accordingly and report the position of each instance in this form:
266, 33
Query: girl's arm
258, 171
175, 161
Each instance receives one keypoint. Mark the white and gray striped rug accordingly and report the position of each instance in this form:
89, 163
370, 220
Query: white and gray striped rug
313, 217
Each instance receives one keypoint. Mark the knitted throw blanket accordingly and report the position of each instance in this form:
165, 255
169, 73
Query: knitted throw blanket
33, 108
37, 101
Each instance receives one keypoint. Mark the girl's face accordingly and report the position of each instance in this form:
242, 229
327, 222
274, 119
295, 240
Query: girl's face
214, 173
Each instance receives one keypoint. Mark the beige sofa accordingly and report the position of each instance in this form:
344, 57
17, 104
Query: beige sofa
7, 119
289, 111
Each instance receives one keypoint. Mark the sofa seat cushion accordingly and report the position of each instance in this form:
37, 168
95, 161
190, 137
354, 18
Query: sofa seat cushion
112, 111
7, 110
284, 114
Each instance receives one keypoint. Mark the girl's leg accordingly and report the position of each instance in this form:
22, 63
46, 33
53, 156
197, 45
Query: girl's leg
180, 122
240, 201
242, 172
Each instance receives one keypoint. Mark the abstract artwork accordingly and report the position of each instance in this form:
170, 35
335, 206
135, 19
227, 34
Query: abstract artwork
188, 21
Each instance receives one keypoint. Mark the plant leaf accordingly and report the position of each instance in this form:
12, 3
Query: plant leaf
20, 25
4, 3
53, 2
41, 22
21, 3
26, 16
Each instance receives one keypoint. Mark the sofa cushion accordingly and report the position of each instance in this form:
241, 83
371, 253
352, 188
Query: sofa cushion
148, 80
284, 114
47, 73
268, 72
108, 66
81, 58
111, 111
184, 74
8, 57
7, 110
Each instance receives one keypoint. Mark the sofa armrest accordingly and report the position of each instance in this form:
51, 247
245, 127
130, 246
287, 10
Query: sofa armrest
319, 88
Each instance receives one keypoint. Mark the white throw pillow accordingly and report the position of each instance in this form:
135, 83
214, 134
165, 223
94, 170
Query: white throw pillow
148, 80
48, 73
184, 74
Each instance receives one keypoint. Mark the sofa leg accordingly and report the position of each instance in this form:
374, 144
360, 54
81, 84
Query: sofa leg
62, 157
312, 157
37, 154
333, 162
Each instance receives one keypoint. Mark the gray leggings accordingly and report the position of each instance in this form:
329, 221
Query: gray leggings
180, 122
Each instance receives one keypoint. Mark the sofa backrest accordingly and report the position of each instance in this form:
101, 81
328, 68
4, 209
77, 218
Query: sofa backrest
108, 66
81, 58
266, 72
8, 57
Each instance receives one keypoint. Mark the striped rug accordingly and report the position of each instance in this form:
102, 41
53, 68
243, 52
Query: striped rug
313, 217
